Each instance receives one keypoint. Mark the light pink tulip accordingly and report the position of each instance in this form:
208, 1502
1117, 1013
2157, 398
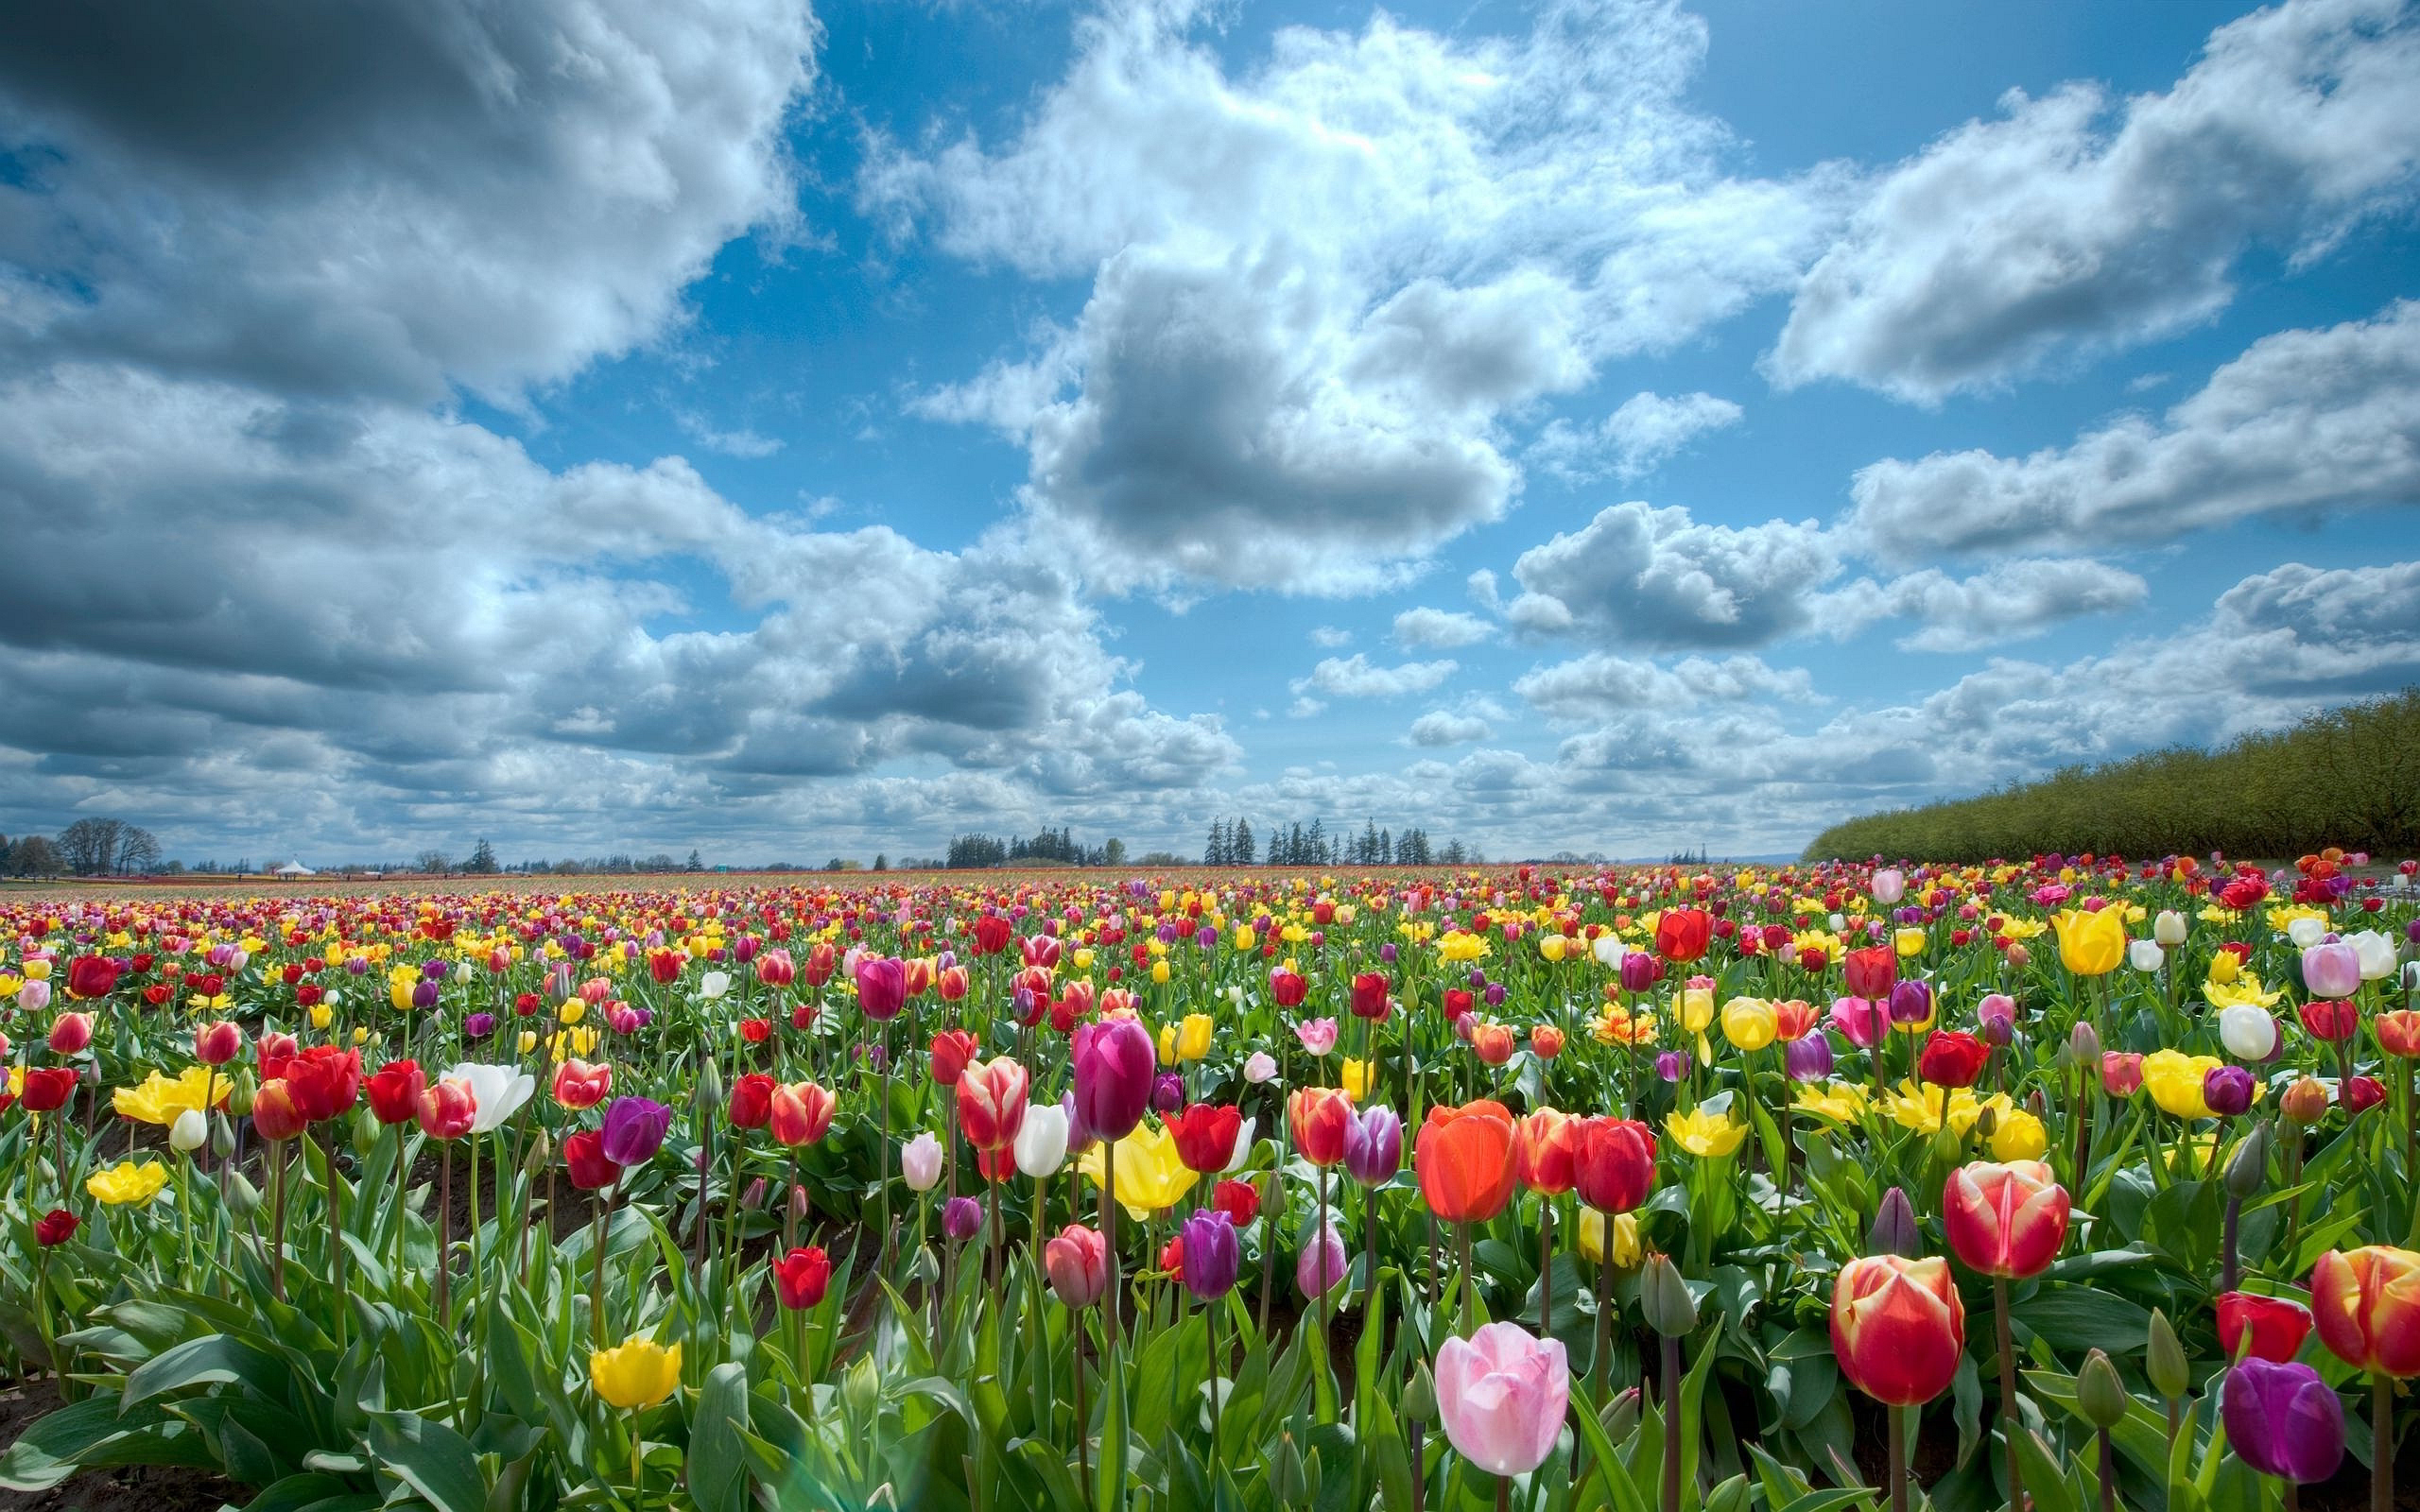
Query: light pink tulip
1501, 1395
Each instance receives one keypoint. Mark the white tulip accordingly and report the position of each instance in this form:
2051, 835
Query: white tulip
496, 1092
190, 1132
1243, 1144
1610, 951
714, 985
2145, 955
1041, 1140
2248, 1031
2168, 928
2377, 951
2306, 932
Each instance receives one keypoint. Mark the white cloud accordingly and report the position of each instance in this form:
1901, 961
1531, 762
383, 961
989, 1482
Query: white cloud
1331, 637
393, 198
1633, 441
1439, 727
743, 443
2303, 422
1356, 677
1637, 576
1599, 684
2011, 601
2010, 243
1322, 285
1440, 629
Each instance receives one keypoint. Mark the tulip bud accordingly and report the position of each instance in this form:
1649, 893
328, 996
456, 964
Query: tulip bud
1895, 1229
1663, 1298
2100, 1393
862, 1388
710, 1089
241, 1087
2084, 1045
541, 1154
2164, 1360
1288, 1479
754, 1199
2168, 928
925, 1268
222, 1138
1620, 1414
243, 1198
1418, 1400
2249, 1170
189, 1132
366, 1128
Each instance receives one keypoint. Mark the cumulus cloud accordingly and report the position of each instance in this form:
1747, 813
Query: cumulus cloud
1440, 726
1440, 629
2302, 422
1601, 684
2073, 224
1657, 580
1320, 286
392, 197
1633, 441
2008, 602
1358, 676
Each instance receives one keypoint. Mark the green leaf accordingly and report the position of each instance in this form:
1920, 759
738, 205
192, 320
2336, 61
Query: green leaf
718, 1470
211, 1359
2075, 1318
430, 1458
295, 1492
1109, 1471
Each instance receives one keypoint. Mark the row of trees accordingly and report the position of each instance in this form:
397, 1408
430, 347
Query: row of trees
2349, 777
1232, 843
1048, 845
88, 848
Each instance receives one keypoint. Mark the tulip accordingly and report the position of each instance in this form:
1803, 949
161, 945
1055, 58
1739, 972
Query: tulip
1194, 1033
1373, 1145
1871, 971
2248, 1031
1041, 1146
394, 1091
1502, 1396
2227, 1090
1888, 885
1750, 1023
951, 1052
1077, 1261
1464, 1158
882, 987
1370, 996
190, 1132
2399, 1033
802, 1276
637, 1374
1113, 1068
1238, 1201
2361, 1093
992, 1103
1612, 1163
90, 976
1705, 1133
55, 1227
2091, 942
799, 1114
2366, 1304
2283, 1420
1150, 1175
214, 1044
1898, 1326
275, 1117
1542, 1147
448, 1108
2006, 1221
1211, 1254
1952, 1058
920, 1162
128, 1183
1911, 1003
2377, 954
2145, 955
2332, 970
2268, 1328
1205, 1135
1809, 1059
961, 1218
1493, 1043
1318, 1036
1316, 1117
634, 1130
499, 1090
584, 1162
70, 1032
578, 1084
2169, 929
2305, 1102
1860, 1021
2122, 1072
1321, 1263
1260, 1068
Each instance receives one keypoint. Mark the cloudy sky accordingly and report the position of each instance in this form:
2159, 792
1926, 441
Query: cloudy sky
608, 424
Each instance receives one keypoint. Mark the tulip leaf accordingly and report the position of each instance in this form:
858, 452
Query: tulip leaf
2084, 1317
210, 1359
717, 1469
310, 1490
2044, 1480
1109, 1470
430, 1458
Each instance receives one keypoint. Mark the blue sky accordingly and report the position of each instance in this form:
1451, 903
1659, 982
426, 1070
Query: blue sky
1599, 427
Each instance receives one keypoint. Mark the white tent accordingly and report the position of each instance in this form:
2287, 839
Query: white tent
292, 868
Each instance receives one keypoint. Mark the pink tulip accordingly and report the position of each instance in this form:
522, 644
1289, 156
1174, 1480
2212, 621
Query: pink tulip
1860, 1021
1501, 1395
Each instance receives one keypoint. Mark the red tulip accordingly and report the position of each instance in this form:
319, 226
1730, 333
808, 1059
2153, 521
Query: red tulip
752, 1100
1317, 1116
48, 1088
55, 1227
578, 1083
1612, 1163
275, 1115
1898, 1326
2005, 1220
394, 1091
584, 1162
1288, 988
1952, 1058
214, 1044
952, 1050
324, 1081
70, 1032
1205, 1135
447, 1108
2331, 1019
90, 976
2366, 1304
2268, 1328
1463, 1157
991, 1103
1370, 996
1872, 972
991, 935
1683, 934
802, 1276
1238, 1201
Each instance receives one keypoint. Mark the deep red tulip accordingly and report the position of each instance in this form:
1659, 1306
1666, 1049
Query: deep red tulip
1205, 1135
1612, 1163
1682, 935
2270, 1328
802, 1276
1952, 1058
584, 1162
394, 1091
952, 1050
752, 1100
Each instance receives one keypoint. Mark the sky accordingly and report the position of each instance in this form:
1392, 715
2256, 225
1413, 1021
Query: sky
610, 425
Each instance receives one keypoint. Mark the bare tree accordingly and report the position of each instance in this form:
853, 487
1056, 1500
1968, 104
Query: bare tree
138, 852
90, 847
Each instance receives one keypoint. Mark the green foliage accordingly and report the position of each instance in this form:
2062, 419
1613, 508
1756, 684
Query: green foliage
2349, 777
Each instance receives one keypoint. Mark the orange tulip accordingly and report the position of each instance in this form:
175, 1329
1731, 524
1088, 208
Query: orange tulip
1317, 1116
1464, 1160
801, 1112
2005, 1220
2366, 1302
1898, 1326
2400, 1033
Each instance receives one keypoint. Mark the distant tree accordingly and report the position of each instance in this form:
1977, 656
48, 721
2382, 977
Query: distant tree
90, 846
1113, 853
881, 862
482, 862
1240, 843
695, 864
435, 862
34, 855
138, 852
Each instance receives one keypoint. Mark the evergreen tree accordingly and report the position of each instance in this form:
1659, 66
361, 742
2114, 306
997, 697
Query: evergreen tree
482, 862
1240, 845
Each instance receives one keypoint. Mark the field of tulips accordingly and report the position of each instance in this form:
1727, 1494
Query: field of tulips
2084, 1180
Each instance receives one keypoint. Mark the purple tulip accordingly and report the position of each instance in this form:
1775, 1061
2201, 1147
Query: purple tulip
1387, 953
1321, 1263
1113, 1064
1640, 971
634, 1130
1373, 1144
1911, 1001
1167, 1093
1211, 1254
1808, 1059
478, 1025
961, 1218
882, 985
2282, 1420
1205, 936
2227, 1090
1672, 1064
424, 995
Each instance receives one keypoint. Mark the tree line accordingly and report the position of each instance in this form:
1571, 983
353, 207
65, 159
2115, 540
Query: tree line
1233, 843
88, 848
2346, 777
1046, 845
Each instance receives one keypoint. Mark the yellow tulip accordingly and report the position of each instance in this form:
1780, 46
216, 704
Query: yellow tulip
1750, 1023
2174, 1080
573, 1010
2091, 944
1696, 1012
2020, 1136
1626, 1250
1704, 1134
2225, 968
38, 969
1150, 1175
321, 1015
1246, 940
1356, 1080
1552, 947
1085, 959
1193, 1037
1617, 1026
525, 1041
1908, 942
125, 1182
10, 982
2241, 989
1842, 1102
1166, 1045
1913, 1105
158, 1099
636, 1374
1160, 974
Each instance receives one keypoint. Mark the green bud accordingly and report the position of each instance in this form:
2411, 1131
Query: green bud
1620, 1414
542, 1150
2100, 1393
860, 1389
923, 1267
1663, 1298
1420, 1396
710, 1088
242, 1196
222, 1136
241, 1087
2164, 1361
1288, 1479
1987, 1124
2249, 1170
365, 1127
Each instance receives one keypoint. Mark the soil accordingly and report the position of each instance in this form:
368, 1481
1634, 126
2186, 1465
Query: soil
142, 1489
